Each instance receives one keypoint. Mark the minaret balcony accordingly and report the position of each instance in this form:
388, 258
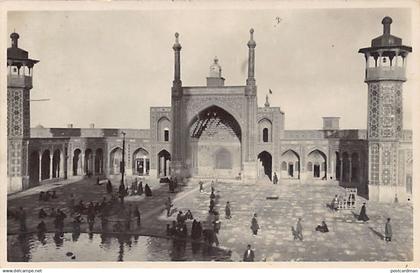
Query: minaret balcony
19, 81
380, 73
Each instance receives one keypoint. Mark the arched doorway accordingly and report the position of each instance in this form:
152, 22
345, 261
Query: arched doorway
317, 164
45, 165
99, 161
264, 164
292, 160
115, 161
355, 168
56, 164
88, 162
214, 146
76, 162
164, 163
141, 162
34, 169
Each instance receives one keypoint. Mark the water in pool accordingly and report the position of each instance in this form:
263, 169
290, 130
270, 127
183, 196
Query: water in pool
72, 247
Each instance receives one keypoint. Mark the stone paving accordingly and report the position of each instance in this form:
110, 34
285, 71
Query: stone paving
348, 239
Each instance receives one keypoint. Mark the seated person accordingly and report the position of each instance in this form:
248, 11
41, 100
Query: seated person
189, 215
322, 228
53, 213
42, 214
42, 228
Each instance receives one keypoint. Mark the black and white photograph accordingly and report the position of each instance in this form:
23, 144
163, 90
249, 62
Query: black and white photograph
200, 133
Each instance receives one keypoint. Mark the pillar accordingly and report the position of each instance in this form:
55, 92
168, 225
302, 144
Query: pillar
51, 166
341, 169
40, 167
350, 169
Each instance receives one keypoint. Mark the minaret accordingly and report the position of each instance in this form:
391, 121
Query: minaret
386, 62
251, 59
178, 143
19, 83
250, 141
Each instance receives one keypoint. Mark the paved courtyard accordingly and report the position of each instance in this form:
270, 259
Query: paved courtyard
348, 239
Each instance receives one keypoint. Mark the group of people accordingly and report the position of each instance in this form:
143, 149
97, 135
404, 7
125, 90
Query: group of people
339, 202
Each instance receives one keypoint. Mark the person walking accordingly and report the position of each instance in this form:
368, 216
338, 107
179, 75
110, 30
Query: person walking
168, 206
137, 214
109, 187
299, 229
275, 179
388, 230
249, 255
362, 215
227, 211
201, 186
254, 225
211, 207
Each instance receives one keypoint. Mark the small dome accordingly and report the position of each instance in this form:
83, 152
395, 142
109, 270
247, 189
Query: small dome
14, 36
215, 69
387, 20
39, 126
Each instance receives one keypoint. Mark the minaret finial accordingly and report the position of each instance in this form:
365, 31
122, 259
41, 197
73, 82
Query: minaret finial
177, 45
387, 21
14, 36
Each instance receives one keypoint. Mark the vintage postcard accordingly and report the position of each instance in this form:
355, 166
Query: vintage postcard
229, 132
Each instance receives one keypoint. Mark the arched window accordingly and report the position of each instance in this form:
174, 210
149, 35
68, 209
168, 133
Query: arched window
265, 135
166, 135
284, 166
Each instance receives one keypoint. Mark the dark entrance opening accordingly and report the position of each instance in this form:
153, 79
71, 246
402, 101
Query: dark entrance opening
266, 161
290, 170
34, 169
317, 170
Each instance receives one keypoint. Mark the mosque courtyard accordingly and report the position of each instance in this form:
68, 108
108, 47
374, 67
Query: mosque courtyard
347, 239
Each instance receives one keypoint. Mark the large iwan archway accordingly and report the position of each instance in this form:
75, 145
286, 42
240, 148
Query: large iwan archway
214, 146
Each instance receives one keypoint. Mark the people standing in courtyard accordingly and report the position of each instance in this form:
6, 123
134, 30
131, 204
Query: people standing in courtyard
140, 188
299, 229
254, 225
137, 214
201, 186
188, 215
275, 179
147, 190
227, 211
388, 230
334, 203
41, 228
211, 207
362, 215
212, 195
42, 214
168, 206
249, 254
109, 187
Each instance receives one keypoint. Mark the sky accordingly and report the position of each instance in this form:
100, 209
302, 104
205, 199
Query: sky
109, 67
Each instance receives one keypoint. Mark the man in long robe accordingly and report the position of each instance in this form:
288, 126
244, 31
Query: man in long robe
147, 190
388, 230
362, 215
254, 225
249, 255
